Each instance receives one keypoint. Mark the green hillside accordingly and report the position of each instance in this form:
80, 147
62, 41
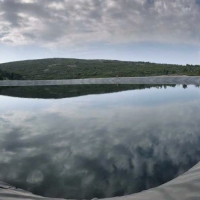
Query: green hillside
57, 68
9, 75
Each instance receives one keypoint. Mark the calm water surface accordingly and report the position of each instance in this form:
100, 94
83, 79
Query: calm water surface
99, 145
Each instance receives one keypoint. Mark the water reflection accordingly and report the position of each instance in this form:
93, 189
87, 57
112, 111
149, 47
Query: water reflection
58, 92
99, 145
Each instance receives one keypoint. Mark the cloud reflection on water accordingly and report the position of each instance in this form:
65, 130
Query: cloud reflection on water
101, 145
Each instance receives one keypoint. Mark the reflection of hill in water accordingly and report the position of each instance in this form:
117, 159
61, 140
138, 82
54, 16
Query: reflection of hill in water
58, 92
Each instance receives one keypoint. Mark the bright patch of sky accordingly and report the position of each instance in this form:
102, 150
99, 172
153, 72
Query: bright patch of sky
164, 31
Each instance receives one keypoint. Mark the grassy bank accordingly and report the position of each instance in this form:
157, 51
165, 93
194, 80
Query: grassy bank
74, 69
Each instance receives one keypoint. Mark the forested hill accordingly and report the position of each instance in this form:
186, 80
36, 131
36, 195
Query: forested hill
9, 75
57, 68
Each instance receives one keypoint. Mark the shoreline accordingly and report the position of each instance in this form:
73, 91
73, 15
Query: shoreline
184, 80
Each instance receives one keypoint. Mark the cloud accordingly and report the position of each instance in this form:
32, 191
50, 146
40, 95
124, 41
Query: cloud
66, 22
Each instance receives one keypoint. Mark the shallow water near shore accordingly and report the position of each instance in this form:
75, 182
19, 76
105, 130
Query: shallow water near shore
101, 145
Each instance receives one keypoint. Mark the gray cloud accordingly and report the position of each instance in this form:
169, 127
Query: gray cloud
66, 22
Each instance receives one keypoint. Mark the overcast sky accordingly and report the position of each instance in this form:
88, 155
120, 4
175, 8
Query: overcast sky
166, 31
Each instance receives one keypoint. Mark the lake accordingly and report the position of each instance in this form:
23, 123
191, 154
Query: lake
81, 143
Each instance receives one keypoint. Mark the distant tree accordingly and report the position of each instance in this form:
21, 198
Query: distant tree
185, 86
